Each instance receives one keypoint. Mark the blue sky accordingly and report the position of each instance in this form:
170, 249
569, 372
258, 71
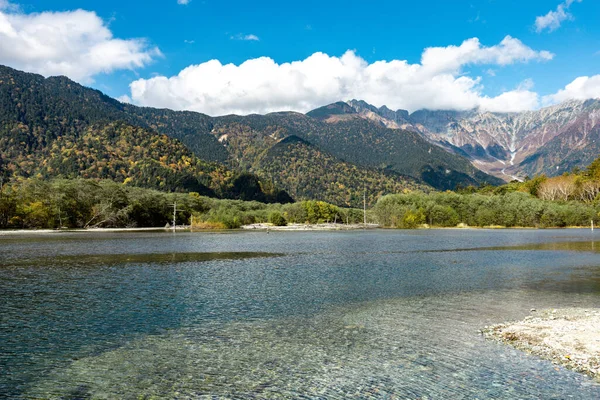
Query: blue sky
176, 36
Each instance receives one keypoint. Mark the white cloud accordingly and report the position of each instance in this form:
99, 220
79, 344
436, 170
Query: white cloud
125, 99
240, 36
452, 58
527, 84
582, 88
77, 44
553, 19
183, 2
261, 85
512, 101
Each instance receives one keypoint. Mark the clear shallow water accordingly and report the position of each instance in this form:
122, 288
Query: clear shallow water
377, 314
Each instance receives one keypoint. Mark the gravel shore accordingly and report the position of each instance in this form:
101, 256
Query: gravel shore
310, 227
569, 337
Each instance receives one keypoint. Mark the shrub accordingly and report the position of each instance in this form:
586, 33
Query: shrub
485, 217
552, 217
202, 225
443, 216
277, 219
412, 218
296, 213
319, 211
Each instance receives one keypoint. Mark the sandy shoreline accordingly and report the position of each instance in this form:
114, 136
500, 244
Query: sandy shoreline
569, 337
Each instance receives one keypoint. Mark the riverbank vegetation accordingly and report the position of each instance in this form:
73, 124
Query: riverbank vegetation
87, 203
568, 200
450, 209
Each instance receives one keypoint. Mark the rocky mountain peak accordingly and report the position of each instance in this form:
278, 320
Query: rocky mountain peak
498, 143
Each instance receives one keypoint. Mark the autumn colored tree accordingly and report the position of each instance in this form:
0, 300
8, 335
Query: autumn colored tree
558, 188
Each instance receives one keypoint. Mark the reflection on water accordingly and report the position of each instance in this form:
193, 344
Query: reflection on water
110, 259
589, 246
581, 280
315, 315
592, 246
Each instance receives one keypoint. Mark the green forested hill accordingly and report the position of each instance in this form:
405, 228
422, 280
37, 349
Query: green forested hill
358, 141
309, 173
58, 106
118, 151
302, 169
56, 128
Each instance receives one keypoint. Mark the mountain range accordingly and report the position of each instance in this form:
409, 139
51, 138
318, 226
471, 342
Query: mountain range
46, 124
56, 127
550, 141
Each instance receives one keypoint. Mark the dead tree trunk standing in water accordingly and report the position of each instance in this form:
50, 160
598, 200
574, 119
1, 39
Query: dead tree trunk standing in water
175, 215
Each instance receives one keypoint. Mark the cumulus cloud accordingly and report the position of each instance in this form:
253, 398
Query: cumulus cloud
582, 88
261, 85
553, 19
125, 99
512, 101
77, 44
183, 2
452, 58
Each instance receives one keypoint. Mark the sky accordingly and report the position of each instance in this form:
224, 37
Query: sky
221, 57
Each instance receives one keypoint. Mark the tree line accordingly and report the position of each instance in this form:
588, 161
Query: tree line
86, 203
449, 209
572, 199
35, 203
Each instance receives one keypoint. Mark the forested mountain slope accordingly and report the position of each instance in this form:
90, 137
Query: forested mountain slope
35, 112
56, 128
117, 151
362, 141
310, 173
